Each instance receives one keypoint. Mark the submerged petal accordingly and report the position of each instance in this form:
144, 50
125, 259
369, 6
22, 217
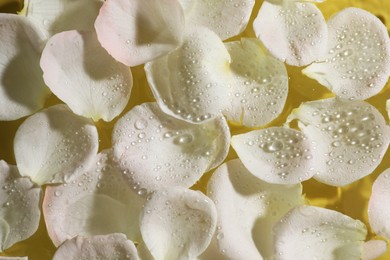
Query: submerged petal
247, 209
112, 246
97, 202
22, 90
135, 32
284, 155
160, 151
259, 84
226, 18
83, 75
351, 137
190, 83
357, 64
293, 32
378, 206
53, 144
19, 206
178, 223
309, 232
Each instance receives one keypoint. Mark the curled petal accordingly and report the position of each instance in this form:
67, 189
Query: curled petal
308, 232
53, 144
285, 156
114, 246
190, 82
135, 32
160, 151
378, 206
97, 202
22, 90
225, 17
293, 32
259, 84
19, 206
178, 223
351, 138
357, 62
54, 16
247, 209
83, 75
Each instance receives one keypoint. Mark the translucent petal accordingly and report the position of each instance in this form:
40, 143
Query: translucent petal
54, 16
357, 62
190, 83
351, 137
309, 232
277, 155
13, 258
226, 18
53, 144
112, 246
135, 32
373, 249
178, 223
293, 32
22, 90
378, 206
247, 209
19, 206
160, 151
97, 202
259, 84
83, 75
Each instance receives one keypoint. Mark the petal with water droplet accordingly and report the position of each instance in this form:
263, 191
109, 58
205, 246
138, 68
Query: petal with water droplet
190, 83
112, 246
357, 62
378, 206
161, 151
22, 90
178, 223
259, 84
351, 137
226, 18
54, 16
308, 232
83, 75
135, 32
277, 155
97, 202
293, 32
50, 146
19, 206
247, 209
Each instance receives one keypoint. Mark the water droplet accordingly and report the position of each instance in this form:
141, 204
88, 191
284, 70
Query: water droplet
141, 124
272, 147
141, 135
142, 192
183, 139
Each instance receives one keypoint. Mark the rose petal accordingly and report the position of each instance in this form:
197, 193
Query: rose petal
285, 156
247, 208
22, 90
160, 151
178, 223
308, 232
72, 65
97, 202
351, 136
54, 143
259, 84
378, 210
113, 246
54, 16
190, 83
373, 249
357, 63
293, 32
19, 201
135, 32
226, 18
